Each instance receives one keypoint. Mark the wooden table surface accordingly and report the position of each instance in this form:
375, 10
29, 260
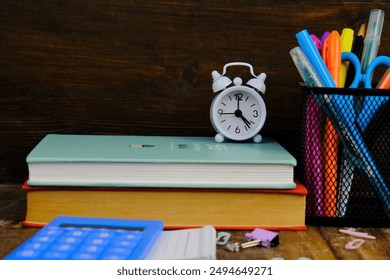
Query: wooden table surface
319, 243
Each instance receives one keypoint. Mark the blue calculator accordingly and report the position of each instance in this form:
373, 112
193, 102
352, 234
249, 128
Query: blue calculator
85, 238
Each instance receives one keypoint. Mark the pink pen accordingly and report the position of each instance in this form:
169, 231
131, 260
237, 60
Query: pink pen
314, 177
317, 42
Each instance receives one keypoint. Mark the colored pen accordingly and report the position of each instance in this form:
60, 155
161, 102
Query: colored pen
324, 36
384, 83
305, 68
331, 54
317, 42
313, 156
341, 112
357, 50
345, 176
346, 46
359, 41
373, 37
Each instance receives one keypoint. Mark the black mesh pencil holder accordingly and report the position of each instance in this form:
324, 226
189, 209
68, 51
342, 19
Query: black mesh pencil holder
344, 156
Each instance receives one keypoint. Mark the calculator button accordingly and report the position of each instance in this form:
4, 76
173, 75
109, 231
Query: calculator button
119, 250
36, 246
124, 243
97, 241
79, 233
43, 239
102, 235
28, 254
52, 231
117, 253
134, 236
56, 255
115, 257
92, 249
63, 247
84, 256
70, 240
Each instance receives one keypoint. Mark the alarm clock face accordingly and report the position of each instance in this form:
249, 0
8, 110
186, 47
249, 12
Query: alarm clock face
238, 113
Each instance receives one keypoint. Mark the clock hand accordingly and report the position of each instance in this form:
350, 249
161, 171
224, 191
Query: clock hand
238, 114
246, 121
220, 112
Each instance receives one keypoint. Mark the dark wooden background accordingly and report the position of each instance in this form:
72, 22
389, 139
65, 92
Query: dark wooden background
144, 67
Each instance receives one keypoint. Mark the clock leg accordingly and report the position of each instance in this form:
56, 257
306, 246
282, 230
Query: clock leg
257, 138
219, 138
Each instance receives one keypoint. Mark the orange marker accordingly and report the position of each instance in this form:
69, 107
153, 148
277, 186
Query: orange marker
331, 54
384, 83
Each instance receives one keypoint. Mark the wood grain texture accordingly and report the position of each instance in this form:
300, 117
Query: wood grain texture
144, 67
12, 203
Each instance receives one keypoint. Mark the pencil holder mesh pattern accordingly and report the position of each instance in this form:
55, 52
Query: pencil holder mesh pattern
344, 156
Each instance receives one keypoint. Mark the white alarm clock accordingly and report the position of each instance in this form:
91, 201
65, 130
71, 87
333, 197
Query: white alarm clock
238, 111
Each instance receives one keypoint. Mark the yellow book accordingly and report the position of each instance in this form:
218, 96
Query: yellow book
176, 207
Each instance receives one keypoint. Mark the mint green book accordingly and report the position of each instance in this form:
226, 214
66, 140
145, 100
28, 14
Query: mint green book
159, 161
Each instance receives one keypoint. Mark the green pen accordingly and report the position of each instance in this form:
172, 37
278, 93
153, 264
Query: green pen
372, 39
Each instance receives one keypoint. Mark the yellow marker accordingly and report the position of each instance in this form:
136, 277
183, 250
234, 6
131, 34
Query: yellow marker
346, 46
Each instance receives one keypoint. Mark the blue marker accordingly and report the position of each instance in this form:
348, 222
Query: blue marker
370, 106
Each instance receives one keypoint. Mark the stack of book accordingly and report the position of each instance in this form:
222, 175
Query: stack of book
183, 181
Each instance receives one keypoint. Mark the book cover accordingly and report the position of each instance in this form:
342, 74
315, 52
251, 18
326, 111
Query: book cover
238, 209
158, 161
